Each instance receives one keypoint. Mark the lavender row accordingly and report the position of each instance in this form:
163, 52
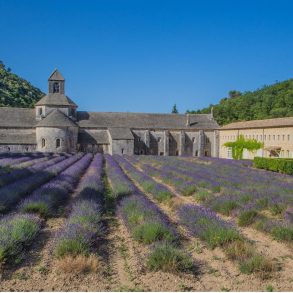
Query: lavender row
20, 173
184, 187
137, 209
147, 224
12, 193
149, 185
145, 221
46, 199
14, 161
119, 182
91, 186
256, 189
246, 202
84, 222
204, 223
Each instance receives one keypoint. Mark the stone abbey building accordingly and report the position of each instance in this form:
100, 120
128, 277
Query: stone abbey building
55, 125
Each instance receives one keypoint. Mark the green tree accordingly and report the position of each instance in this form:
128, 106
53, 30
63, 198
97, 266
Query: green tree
240, 144
174, 109
268, 102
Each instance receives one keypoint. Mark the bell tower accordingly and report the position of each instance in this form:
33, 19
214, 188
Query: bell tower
56, 83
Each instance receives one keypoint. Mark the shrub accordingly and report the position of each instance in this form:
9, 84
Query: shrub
247, 218
262, 203
145, 221
239, 250
73, 247
204, 223
15, 233
216, 235
167, 258
256, 264
277, 209
276, 164
202, 196
79, 264
224, 207
40, 208
216, 189
151, 232
282, 233
189, 190
163, 196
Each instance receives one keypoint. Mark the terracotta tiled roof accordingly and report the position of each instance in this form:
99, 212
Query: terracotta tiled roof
266, 123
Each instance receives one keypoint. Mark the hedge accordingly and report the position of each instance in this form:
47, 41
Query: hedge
276, 165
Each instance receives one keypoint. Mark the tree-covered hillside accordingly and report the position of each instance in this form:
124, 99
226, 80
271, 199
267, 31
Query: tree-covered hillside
268, 102
15, 91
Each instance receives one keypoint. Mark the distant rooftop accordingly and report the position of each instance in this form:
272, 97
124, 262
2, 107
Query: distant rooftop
265, 123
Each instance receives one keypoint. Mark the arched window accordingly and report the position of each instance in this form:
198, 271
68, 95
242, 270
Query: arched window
58, 143
43, 142
56, 87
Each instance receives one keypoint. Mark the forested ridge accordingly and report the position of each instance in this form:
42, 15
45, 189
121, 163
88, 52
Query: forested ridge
272, 101
16, 91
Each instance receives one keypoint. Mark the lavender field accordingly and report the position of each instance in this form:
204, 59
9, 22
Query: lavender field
88, 222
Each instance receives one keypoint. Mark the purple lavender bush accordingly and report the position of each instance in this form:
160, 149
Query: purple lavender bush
149, 185
204, 223
145, 221
10, 194
50, 196
84, 222
119, 182
16, 232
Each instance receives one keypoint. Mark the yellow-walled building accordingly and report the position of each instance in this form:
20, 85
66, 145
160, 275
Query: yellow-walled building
276, 135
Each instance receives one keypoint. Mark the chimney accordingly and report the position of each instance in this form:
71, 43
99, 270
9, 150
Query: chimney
187, 120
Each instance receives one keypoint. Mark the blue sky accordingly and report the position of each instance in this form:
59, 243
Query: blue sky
145, 55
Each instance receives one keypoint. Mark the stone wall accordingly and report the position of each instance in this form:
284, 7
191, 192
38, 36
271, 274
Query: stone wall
122, 147
67, 136
18, 148
271, 137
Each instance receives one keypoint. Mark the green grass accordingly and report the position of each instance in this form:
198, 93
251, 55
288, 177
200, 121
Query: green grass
282, 233
225, 207
189, 190
39, 208
256, 264
202, 196
150, 232
277, 209
15, 234
71, 247
247, 218
167, 258
216, 235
